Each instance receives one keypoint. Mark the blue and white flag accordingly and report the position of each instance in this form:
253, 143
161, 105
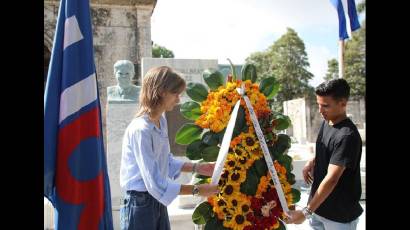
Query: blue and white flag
75, 169
354, 24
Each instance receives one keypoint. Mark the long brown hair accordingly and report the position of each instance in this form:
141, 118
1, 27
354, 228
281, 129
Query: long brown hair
156, 81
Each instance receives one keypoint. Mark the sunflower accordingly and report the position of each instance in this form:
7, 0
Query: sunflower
237, 221
249, 142
237, 176
246, 161
257, 154
218, 204
231, 163
230, 188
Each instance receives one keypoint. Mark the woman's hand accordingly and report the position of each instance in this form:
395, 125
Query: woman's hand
207, 189
205, 169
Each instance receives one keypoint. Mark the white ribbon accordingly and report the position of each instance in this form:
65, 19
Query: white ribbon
223, 151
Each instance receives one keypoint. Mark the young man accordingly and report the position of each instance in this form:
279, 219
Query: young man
335, 171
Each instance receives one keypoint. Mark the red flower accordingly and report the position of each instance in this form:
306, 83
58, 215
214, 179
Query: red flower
250, 217
248, 227
256, 204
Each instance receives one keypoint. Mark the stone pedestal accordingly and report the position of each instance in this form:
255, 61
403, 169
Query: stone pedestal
119, 115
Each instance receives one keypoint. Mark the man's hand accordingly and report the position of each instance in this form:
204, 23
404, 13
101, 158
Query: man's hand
296, 217
308, 171
205, 169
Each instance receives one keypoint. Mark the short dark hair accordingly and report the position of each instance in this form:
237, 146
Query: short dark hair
336, 88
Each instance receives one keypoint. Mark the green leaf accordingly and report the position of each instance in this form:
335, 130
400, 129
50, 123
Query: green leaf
282, 143
283, 122
221, 135
250, 185
295, 195
286, 161
249, 72
215, 224
187, 134
240, 122
281, 226
191, 110
210, 153
202, 181
269, 87
261, 167
196, 91
213, 78
291, 178
202, 213
210, 138
194, 150
196, 175
232, 70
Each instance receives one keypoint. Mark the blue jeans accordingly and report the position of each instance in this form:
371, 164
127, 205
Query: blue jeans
320, 223
141, 211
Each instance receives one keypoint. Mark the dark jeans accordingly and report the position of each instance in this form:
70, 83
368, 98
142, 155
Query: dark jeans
141, 211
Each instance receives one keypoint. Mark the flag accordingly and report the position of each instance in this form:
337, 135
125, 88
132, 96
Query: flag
75, 170
352, 13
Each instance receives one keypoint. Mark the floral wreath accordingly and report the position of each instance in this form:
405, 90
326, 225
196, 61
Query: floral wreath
247, 198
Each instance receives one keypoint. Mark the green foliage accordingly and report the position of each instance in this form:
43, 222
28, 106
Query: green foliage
354, 63
282, 144
291, 178
269, 87
249, 72
261, 167
332, 70
214, 224
196, 91
210, 153
233, 71
194, 150
210, 138
240, 123
283, 122
191, 110
287, 60
213, 78
161, 52
296, 195
286, 161
250, 185
187, 134
202, 213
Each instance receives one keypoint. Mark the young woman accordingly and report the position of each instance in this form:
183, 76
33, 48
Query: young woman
148, 168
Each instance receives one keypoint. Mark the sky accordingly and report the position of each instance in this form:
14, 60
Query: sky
221, 29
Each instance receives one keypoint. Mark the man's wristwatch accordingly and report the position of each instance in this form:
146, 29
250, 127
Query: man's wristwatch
195, 190
307, 212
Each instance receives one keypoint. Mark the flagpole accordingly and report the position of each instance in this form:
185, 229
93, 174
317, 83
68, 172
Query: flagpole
341, 60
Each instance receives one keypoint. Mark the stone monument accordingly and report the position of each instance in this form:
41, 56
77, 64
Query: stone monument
124, 90
122, 105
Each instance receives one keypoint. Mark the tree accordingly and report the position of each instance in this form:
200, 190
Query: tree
287, 61
354, 61
332, 70
161, 52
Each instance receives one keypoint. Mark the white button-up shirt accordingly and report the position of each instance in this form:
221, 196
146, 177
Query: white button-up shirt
147, 163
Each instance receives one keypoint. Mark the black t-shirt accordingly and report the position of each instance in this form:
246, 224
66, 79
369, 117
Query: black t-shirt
340, 144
